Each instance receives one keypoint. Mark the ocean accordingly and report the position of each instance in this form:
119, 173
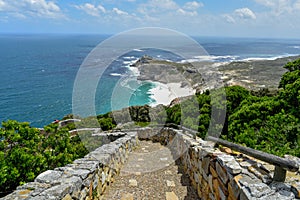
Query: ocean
38, 71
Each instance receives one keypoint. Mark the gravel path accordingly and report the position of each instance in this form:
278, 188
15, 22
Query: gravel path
151, 173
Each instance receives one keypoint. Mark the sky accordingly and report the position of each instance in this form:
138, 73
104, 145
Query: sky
228, 18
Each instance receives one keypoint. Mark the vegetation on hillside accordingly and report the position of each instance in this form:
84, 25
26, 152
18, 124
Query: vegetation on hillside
263, 120
25, 152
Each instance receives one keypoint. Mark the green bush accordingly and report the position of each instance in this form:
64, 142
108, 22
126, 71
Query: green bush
25, 152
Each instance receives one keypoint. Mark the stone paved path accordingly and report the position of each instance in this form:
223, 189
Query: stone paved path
151, 174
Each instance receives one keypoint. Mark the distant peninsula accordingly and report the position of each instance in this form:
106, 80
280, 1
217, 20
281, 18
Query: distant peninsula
251, 74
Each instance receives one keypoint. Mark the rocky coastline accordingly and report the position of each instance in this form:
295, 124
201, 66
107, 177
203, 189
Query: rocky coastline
199, 76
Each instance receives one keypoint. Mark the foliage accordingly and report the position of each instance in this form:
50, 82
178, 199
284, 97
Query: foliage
25, 152
267, 120
270, 123
140, 113
265, 92
293, 66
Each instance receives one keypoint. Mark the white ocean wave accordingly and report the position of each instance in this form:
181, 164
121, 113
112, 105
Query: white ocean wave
140, 50
209, 58
295, 47
230, 58
127, 62
133, 70
267, 58
129, 57
115, 74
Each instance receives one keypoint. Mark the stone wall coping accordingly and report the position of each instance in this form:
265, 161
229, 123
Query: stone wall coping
75, 180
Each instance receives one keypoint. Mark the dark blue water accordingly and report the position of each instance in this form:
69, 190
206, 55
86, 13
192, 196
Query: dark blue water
38, 71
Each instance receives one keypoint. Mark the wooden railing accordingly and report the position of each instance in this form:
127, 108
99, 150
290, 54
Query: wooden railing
282, 165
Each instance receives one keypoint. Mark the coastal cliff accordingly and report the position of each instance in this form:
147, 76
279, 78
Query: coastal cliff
199, 76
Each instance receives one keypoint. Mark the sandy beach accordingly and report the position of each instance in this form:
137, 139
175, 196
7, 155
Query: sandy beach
165, 93
174, 80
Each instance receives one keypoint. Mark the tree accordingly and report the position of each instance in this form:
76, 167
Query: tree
25, 152
293, 66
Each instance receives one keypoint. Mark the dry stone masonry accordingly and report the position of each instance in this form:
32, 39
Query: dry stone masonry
86, 178
220, 175
215, 173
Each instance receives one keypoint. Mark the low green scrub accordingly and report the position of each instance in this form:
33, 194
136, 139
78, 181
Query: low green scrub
264, 120
25, 152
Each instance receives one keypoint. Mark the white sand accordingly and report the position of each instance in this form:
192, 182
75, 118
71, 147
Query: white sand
165, 93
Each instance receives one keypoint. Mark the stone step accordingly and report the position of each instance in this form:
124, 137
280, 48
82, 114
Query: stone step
171, 196
151, 175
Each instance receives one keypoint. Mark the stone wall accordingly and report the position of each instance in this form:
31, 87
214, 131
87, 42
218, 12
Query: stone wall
86, 178
225, 174
216, 173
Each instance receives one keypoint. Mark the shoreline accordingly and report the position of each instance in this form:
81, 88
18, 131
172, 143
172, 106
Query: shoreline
165, 93
251, 74
233, 58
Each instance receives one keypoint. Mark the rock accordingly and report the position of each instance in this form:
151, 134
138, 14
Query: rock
296, 189
245, 164
224, 158
222, 173
170, 183
127, 196
171, 196
257, 190
189, 70
234, 187
226, 150
174, 102
67, 197
57, 192
49, 177
213, 172
85, 163
82, 173
205, 164
229, 163
168, 172
278, 196
35, 187
133, 183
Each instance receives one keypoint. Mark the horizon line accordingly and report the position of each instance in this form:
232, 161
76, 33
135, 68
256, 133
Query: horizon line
112, 34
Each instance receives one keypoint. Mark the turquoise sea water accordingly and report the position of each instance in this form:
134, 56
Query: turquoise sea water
38, 71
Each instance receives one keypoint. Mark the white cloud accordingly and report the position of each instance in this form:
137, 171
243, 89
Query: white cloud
228, 18
165, 4
168, 9
297, 5
33, 8
2, 5
119, 12
96, 11
245, 13
267, 3
101, 8
157, 6
193, 5
91, 9
18, 15
280, 7
186, 13
239, 15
